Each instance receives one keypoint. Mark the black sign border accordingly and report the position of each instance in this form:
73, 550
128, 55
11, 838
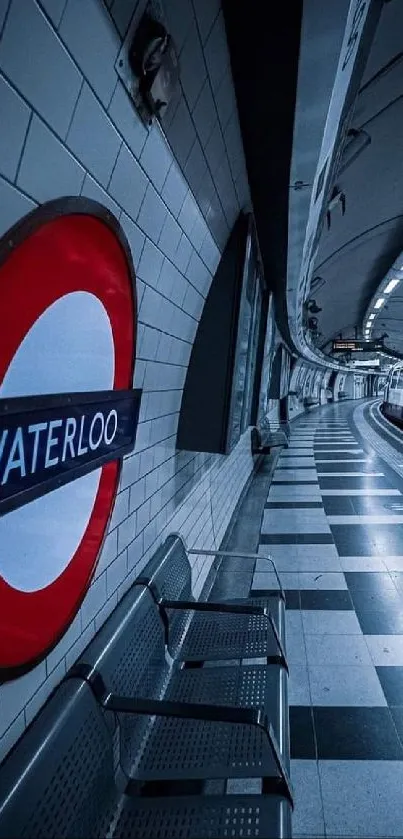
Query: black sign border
30, 404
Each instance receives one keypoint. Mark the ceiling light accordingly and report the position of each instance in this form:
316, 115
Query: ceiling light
390, 286
368, 325
379, 302
371, 317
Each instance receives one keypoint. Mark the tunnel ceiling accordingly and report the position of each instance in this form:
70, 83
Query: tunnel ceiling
360, 246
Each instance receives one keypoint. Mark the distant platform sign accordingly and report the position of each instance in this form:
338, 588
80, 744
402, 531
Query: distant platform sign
352, 345
68, 414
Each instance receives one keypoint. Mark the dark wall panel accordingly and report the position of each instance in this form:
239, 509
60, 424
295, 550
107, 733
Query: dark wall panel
204, 415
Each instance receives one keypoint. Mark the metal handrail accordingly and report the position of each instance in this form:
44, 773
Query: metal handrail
242, 555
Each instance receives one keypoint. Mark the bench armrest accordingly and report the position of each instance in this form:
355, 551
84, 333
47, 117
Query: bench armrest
183, 710
242, 555
223, 608
208, 606
209, 713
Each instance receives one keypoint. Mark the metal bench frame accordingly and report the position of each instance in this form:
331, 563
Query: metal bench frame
248, 609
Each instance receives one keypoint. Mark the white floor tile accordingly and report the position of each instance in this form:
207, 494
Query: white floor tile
314, 562
386, 650
296, 653
263, 580
322, 581
363, 563
298, 686
307, 819
294, 493
306, 580
337, 649
350, 474
295, 462
293, 621
295, 521
393, 563
325, 492
300, 475
330, 622
374, 519
339, 685
362, 798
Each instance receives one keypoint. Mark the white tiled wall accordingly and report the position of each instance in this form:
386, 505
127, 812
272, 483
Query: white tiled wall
67, 127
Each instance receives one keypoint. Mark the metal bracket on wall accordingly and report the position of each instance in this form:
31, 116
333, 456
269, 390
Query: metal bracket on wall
123, 65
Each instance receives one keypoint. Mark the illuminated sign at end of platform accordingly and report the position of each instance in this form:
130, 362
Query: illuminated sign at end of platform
352, 345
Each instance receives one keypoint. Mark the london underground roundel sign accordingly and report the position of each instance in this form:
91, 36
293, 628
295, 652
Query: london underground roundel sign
67, 414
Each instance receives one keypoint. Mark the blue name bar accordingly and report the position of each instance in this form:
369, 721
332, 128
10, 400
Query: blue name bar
47, 441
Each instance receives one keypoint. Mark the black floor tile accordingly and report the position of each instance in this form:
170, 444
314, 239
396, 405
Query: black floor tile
381, 621
237, 563
371, 505
354, 483
372, 581
381, 599
391, 679
335, 505
292, 599
356, 734
330, 456
397, 715
344, 467
292, 468
397, 578
302, 738
368, 540
296, 539
292, 596
294, 483
332, 599
293, 505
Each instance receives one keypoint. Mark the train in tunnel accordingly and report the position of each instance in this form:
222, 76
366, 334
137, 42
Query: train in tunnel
392, 405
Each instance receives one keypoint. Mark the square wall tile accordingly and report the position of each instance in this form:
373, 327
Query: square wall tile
29, 34
93, 138
48, 170
15, 114
94, 43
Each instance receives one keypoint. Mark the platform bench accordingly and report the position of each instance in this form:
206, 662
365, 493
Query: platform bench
139, 743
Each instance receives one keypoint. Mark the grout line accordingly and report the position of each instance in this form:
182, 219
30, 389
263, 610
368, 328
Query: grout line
2, 28
24, 145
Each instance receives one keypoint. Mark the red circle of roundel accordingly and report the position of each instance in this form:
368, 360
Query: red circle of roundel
72, 252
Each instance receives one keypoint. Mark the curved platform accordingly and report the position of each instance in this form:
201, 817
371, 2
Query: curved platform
333, 522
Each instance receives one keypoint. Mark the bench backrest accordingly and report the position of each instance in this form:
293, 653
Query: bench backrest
129, 653
168, 572
59, 778
169, 577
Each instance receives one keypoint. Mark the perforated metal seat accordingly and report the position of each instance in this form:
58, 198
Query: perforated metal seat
60, 783
129, 654
218, 817
208, 631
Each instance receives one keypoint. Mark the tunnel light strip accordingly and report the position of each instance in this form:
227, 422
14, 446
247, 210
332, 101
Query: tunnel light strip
379, 302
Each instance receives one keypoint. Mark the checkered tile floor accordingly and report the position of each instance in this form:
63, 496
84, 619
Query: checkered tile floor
332, 522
